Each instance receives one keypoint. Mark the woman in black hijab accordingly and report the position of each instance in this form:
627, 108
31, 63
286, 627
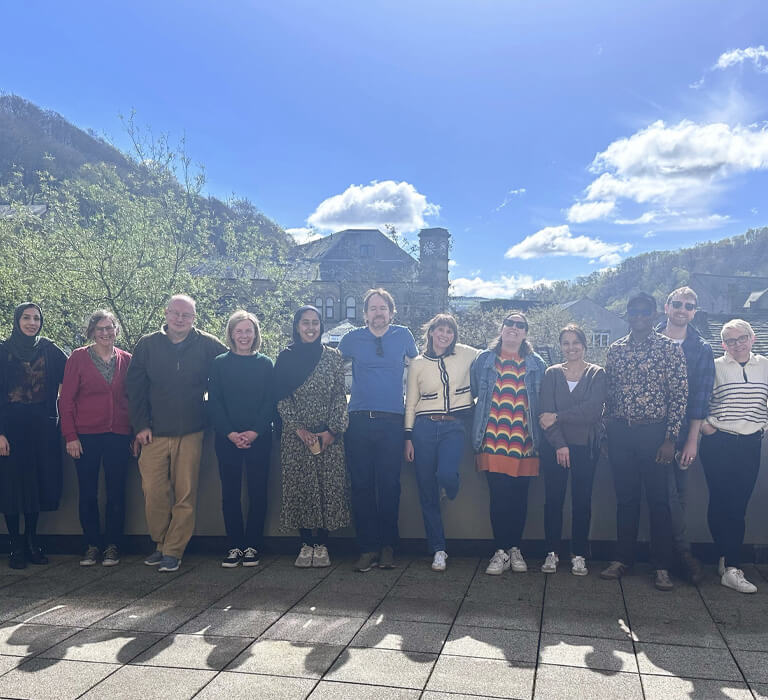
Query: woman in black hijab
31, 371
312, 402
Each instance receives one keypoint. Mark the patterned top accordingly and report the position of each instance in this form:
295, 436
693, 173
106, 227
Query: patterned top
507, 445
647, 382
26, 380
106, 369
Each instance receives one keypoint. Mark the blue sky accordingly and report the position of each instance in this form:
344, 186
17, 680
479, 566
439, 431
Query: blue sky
551, 138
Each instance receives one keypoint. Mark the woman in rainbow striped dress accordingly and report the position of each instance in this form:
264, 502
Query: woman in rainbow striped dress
505, 434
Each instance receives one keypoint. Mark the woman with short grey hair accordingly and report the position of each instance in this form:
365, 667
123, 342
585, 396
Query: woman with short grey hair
731, 443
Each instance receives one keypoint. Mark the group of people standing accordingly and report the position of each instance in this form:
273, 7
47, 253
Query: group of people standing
341, 460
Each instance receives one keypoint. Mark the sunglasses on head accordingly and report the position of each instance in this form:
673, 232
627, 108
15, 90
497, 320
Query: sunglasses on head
689, 306
379, 346
522, 325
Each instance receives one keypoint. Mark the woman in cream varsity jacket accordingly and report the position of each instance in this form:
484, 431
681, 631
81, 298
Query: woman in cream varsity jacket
438, 397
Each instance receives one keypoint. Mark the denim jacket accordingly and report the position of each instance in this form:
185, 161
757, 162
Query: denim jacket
483, 378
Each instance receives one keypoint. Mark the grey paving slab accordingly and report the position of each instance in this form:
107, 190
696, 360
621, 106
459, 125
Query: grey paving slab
349, 605
557, 682
404, 635
267, 598
251, 685
356, 583
13, 607
417, 610
104, 646
36, 587
490, 643
751, 636
75, 612
117, 588
325, 629
753, 664
485, 677
283, 658
45, 678
386, 667
230, 622
584, 600
432, 695
606, 624
429, 590
588, 652
331, 690
17, 639
690, 662
508, 588
759, 690
667, 688
144, 618
142, 682
192, 651
9, 662
677, 628
500, 614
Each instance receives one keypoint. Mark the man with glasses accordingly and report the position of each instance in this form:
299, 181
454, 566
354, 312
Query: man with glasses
645, 408
166, 383
375, 438
700, 365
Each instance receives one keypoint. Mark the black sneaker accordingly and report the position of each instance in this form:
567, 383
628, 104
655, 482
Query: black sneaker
34, 553
233, 558
91, 556
251, 556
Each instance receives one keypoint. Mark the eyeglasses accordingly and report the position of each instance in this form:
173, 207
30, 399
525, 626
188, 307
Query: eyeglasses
730, 342
522, 325
104, 329
632, 313
379, 346
689, 306
184, 316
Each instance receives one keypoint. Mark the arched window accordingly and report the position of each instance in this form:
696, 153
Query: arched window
329, 307
319, 303
351, 312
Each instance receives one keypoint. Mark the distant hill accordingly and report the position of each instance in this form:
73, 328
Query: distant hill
659, 272
34, 139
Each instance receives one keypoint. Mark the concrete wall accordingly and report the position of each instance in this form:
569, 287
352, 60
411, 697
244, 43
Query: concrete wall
465, 518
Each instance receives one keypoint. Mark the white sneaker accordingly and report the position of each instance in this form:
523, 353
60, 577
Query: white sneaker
440, 560
734, 578
550, 563
499, 563
304, 560
320, 558
516, 561
579, 566
721, 566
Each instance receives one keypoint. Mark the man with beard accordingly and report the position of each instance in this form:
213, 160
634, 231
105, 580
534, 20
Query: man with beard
375, 437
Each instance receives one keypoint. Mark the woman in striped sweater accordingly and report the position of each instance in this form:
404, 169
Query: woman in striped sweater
730, 445
506, 436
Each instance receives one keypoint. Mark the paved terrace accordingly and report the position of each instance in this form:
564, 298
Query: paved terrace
279, 632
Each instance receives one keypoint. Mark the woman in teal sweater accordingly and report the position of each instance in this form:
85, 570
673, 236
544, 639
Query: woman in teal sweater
241, 408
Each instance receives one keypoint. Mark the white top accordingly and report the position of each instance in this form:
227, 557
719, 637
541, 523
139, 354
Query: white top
739, 402
571, 385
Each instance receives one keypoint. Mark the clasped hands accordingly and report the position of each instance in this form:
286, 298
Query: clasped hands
242, 440
325, 438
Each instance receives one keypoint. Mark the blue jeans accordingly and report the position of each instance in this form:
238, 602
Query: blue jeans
437, 449
374, 448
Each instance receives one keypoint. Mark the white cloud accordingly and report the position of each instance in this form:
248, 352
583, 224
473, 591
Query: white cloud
510, 196
758, 55
559, 241
588, 211
452, 263
373, 206
501, 288
303, 235
669, 220
679, 166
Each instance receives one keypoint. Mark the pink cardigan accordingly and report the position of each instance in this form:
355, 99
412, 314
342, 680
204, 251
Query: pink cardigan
88, 404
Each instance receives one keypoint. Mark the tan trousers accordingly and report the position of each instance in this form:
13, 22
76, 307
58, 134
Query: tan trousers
169, 468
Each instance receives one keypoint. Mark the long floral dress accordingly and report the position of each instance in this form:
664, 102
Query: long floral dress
315, 489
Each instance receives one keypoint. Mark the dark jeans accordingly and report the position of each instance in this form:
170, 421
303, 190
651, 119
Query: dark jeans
113, 451
508, 507
678, 498
582, 471
374, 449
256, 460
731, 463
437, 450
632, 452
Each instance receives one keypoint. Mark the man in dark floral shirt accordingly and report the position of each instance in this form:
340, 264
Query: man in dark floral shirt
645, 408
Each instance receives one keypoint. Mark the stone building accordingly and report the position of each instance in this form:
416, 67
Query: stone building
341, 267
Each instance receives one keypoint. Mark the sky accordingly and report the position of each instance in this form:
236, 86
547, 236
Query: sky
551, 138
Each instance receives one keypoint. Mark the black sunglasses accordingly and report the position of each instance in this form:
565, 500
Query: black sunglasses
631, 313
379, 346
689, 306
522, 325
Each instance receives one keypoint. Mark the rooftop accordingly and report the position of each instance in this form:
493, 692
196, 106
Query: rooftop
275, 631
